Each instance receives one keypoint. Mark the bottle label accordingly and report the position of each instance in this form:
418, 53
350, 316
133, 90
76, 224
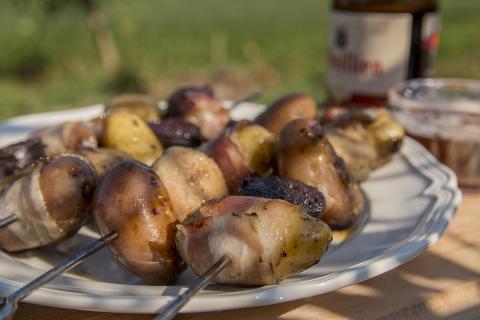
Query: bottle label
368, 53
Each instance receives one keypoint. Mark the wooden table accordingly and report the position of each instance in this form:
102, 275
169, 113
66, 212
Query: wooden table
443, 282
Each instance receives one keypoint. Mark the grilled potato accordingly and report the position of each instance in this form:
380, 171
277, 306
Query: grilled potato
141, 105
258, 146
242, 150
387, 134
127, 132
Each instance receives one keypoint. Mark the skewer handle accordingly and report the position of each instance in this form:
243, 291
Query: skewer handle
8, 220
10, 303
172, 309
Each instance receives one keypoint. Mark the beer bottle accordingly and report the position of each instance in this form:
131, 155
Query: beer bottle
374, 44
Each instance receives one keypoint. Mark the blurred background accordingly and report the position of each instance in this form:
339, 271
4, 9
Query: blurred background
58, 54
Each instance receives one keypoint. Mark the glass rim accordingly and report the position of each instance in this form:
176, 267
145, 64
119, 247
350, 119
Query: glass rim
397, 101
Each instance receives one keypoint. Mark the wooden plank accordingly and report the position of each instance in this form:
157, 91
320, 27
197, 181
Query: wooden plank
443, 282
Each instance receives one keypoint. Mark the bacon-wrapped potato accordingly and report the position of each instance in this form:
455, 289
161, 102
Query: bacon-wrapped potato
18, 156
365, 139
66, 137
243, 149
266, 240
190, 177
50, 202
199, 106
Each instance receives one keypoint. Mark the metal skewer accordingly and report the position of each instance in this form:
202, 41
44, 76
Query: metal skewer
8, 220
174, 307
9, 304
250, 97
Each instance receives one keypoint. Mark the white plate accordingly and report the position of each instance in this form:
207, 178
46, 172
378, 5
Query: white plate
410, 202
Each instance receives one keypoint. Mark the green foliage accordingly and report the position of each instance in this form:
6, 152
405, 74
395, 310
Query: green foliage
49, 59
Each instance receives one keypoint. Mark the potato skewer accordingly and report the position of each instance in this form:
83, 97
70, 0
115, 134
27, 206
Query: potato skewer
9, 304
152, 189
48, 203
305, 241
118, 223
137, 209
142, 187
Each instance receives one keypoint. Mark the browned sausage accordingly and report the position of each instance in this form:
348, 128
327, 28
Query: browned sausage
306, 155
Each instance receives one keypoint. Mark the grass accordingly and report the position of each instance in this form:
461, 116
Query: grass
49, 61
